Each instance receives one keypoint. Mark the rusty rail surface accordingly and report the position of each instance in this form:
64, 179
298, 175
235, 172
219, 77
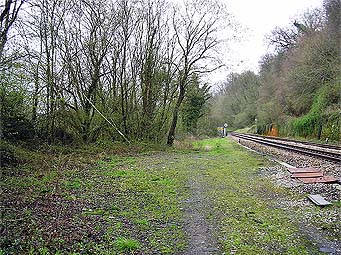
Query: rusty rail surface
322, 145
333, 156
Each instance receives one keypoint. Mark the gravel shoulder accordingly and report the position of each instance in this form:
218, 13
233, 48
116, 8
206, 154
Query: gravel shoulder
321, 225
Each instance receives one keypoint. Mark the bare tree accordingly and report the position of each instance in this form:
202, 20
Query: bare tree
8, 15
195, 31
88, 37
283, 39
151, 72
287, 38
40, 42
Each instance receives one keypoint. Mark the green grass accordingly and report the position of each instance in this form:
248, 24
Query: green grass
73, 184
127, 245
251, 129
337, 204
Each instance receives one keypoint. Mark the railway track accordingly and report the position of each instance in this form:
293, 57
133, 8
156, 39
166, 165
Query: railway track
319, 150
327, 146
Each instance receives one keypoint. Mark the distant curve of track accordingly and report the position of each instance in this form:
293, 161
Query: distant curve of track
319, 150
328, 146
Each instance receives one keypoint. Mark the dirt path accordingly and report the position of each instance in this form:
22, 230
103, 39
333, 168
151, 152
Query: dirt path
200, 231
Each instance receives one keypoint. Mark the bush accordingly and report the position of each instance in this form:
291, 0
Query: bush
7, 154
17, 128
321, 122
14, 121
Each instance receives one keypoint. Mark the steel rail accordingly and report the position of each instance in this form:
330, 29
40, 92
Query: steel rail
327, 146
308, 151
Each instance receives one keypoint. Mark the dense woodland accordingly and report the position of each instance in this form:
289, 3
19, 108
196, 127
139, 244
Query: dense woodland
83, 71
298, 88
91, 70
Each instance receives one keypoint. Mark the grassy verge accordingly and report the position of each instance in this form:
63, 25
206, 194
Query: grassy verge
251, 129
246, 204
120, 200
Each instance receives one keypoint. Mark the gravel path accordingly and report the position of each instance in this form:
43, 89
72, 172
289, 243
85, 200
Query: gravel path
200, 231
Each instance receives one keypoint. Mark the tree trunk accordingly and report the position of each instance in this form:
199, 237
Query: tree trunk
319, 130
35, 104
171, 133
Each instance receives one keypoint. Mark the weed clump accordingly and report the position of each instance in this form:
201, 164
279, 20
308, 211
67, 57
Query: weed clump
183, 145
127, 245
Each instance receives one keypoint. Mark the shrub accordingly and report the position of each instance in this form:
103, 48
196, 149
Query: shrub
319, 118
7, 154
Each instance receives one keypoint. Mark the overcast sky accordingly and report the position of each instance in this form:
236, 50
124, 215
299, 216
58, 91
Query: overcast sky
259, 17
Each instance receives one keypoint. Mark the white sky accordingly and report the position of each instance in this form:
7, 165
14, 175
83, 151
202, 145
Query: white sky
259, 17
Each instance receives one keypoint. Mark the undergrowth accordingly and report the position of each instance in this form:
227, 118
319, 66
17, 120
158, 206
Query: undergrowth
324, 117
